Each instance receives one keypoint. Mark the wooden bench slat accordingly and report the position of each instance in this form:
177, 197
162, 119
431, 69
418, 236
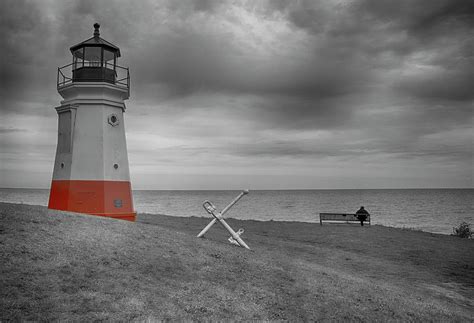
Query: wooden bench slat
340, 218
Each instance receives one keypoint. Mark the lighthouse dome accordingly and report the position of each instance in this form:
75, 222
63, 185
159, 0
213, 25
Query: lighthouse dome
95, 59
96, 41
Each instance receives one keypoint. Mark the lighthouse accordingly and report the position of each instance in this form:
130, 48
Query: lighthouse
91, 173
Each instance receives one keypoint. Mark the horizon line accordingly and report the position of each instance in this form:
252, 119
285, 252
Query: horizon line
273, 189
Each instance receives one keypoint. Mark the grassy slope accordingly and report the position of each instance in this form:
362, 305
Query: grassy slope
56, 265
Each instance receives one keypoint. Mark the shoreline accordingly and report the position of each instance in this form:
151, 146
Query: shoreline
146, 215
142, 216
60, 265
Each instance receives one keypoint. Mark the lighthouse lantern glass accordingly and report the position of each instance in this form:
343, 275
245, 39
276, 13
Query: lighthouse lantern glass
94, 63
109, 59
92, 56
78, 58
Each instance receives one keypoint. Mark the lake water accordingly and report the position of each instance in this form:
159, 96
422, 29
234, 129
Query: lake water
431, 210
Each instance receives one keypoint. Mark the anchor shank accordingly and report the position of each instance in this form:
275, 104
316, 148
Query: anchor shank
233, 234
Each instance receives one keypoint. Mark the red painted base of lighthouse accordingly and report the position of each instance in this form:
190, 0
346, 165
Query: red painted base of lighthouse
103, 198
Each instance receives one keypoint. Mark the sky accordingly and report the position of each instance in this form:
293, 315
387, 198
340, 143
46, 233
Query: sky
255, 94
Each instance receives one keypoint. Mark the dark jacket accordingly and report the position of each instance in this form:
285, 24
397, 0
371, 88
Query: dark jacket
362, 214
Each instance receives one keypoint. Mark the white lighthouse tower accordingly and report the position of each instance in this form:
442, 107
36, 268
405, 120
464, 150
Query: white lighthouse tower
91, 173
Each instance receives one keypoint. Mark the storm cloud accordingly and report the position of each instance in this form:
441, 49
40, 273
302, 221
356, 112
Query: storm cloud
315, 88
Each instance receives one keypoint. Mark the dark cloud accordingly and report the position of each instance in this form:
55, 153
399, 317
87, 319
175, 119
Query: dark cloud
206, 5
11, 130
433, 131
194, 62
349, 42
184, 55
302, 113
313, 19
451, 85
397, 150
420, 17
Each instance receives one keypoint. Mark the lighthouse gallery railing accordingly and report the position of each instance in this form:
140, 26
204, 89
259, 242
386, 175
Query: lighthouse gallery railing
66, 76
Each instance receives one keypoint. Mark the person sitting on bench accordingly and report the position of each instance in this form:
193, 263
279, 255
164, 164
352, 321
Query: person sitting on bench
362, 215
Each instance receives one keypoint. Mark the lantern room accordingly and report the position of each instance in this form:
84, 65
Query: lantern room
94, 60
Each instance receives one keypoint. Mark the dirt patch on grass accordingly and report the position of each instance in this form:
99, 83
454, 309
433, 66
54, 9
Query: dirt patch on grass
57, 265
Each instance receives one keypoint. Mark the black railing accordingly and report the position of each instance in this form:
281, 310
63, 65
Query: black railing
93, 73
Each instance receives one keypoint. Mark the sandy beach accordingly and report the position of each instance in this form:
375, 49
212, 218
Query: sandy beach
58, 265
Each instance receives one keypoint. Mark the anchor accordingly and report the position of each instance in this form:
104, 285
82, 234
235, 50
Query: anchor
218, 216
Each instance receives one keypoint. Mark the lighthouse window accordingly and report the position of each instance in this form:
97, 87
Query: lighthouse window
78, 58
116, 166
109, 59
113, 120
118, 203
92, 56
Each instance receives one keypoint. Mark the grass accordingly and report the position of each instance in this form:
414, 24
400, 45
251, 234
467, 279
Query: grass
58, 266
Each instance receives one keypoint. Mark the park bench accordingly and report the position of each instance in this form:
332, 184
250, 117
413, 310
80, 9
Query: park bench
340, 218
